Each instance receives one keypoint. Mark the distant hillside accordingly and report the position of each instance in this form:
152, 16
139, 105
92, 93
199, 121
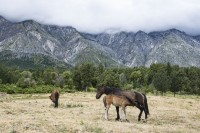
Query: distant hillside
30, 44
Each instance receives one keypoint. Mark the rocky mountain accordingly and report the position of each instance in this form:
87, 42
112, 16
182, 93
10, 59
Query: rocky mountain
42, 45
30, 44
142, 49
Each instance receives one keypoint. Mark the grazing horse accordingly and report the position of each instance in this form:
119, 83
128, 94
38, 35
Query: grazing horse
134, 98
54, 97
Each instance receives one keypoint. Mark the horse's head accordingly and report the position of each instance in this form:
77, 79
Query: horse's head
100, 91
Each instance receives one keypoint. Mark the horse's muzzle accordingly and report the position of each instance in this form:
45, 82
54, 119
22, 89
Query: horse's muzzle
98, 96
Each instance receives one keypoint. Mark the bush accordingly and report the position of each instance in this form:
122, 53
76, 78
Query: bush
128, 87
13, 89
26, 82
10, 91
92, 89
148, 89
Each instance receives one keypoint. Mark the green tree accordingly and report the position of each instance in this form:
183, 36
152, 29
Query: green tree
87, 71
161, 81
7, 75
154, 69
192, 74
54, 77
76, 76
38, 76
47, 77
26, 80
179, 80
169, 69
67, 75
84, 75
99, 74
111, 78
136, 77
122, 79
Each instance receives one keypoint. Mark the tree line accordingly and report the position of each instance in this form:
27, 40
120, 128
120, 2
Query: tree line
158, 78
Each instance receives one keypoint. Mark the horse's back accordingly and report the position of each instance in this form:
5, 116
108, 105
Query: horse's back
117, 100
56, 93
134, 96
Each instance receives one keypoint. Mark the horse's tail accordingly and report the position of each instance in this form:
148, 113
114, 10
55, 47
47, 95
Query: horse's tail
146, 104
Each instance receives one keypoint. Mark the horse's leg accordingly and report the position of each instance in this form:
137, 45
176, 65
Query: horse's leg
143, 107
141, 110
56, 103
117, 110
106, 111
139, 116
145, 111
124, 109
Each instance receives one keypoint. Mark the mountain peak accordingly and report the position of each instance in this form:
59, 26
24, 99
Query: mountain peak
32, 41
141, 32
2, 19
176, 31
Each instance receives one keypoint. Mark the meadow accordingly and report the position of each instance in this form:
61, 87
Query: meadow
81, 112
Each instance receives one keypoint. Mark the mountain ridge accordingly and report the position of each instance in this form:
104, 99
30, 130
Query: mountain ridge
71, 47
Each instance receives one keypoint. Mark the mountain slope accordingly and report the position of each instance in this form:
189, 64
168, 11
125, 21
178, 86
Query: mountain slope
142, 49
30, 44
175, 47
58, 44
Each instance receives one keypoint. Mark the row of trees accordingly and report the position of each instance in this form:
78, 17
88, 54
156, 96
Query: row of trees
157, 78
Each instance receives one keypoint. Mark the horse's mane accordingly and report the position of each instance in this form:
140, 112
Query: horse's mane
112, 90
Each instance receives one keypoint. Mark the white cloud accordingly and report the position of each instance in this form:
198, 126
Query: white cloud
100, 15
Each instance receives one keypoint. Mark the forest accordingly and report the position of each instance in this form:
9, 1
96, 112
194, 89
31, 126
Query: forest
157, 79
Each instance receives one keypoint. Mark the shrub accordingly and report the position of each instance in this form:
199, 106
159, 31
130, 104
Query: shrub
92, 89
10, 91
128, 87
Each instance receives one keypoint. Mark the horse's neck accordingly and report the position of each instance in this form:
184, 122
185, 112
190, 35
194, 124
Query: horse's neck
114, 91
108, 90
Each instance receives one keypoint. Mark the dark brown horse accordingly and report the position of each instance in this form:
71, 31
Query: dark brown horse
54, 97
134, 99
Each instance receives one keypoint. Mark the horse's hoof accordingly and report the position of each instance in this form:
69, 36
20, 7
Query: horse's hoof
145, 121
127, 120
117, 119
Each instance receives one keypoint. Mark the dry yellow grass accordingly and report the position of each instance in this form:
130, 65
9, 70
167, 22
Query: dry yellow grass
81, 112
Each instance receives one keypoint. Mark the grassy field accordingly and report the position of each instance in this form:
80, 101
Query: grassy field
81, 112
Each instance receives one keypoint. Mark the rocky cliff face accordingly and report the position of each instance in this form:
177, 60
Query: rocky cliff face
142, 49
64, 46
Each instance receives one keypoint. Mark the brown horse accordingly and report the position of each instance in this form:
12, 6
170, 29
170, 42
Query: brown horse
54, 97
134, 99
117, 101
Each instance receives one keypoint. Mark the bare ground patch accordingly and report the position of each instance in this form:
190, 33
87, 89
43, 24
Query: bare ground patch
81, 112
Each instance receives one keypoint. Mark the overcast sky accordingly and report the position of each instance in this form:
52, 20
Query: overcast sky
95, 16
